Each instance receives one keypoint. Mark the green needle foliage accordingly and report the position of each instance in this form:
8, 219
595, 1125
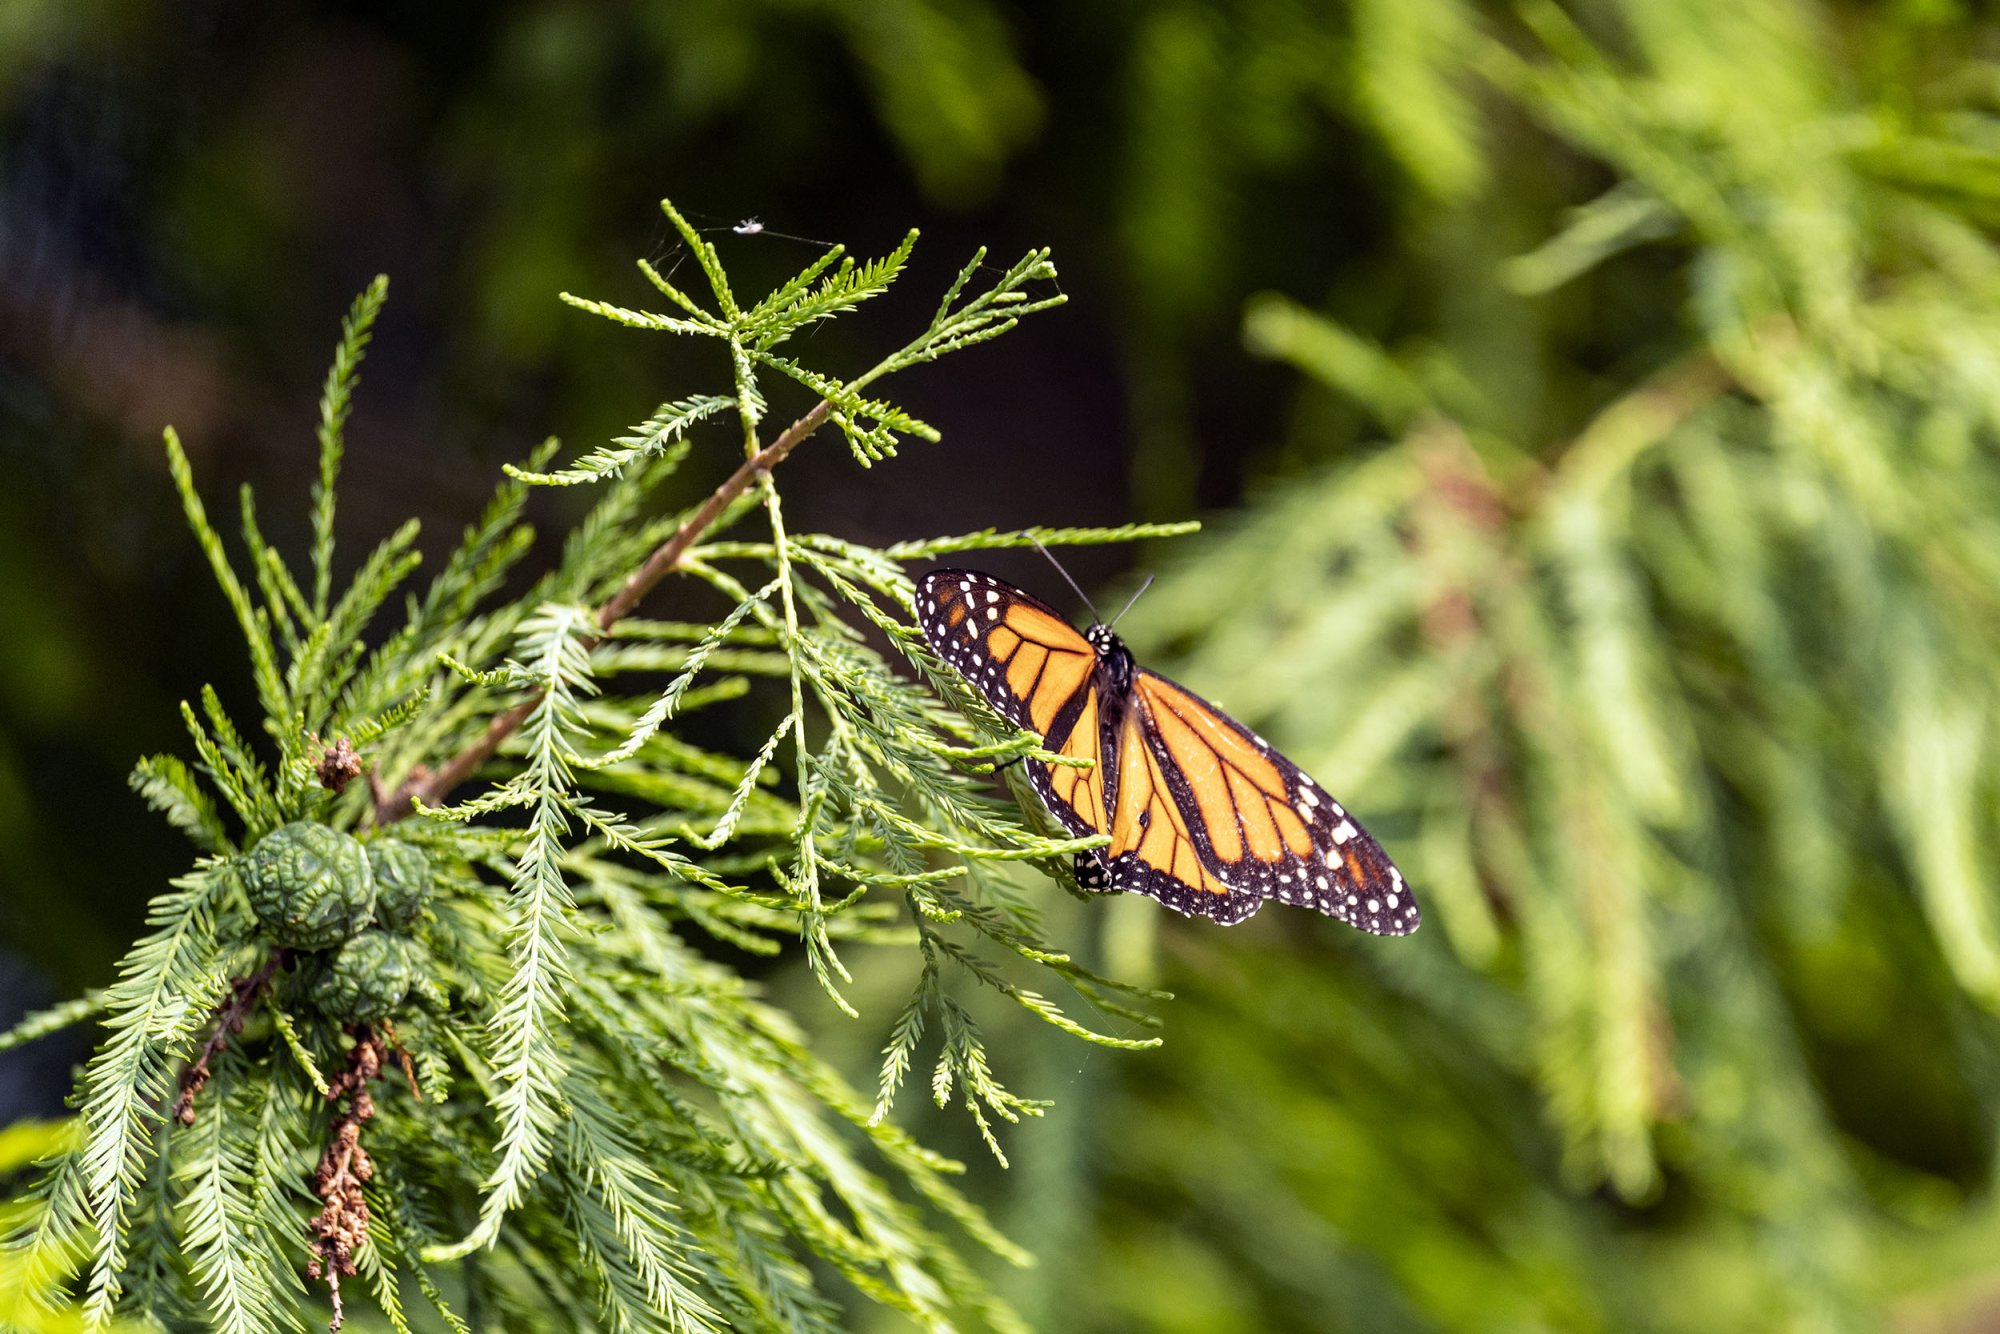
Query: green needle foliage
1678, 708
515, 1086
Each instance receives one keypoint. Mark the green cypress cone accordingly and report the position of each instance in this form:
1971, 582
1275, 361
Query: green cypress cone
367, 979
402, 882
309, 885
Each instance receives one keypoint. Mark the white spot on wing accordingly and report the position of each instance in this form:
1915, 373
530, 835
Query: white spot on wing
1344, 831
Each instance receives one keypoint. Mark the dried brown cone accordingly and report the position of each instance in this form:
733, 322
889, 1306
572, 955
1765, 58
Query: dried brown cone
339, 765
340, 1228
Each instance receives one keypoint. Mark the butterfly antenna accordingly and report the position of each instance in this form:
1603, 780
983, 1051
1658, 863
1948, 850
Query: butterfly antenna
1094, 614
1129, 601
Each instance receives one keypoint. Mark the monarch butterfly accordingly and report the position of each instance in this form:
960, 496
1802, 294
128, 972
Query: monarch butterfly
1202, 813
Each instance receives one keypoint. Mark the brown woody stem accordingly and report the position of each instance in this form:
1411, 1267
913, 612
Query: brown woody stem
229, 1016
431, 788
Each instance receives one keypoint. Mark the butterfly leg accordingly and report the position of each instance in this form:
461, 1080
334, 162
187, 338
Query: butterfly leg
1090, 873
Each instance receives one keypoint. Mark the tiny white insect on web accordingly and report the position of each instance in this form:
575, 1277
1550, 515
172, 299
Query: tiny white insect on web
748, 227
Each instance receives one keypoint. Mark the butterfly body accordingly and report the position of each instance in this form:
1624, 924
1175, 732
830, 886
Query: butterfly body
1203, 815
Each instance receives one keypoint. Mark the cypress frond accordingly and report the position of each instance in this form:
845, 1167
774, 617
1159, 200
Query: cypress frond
217, 1214
169, 787
526, 1059
263, 654
544, 1080
167, 985
660, 435
336, 400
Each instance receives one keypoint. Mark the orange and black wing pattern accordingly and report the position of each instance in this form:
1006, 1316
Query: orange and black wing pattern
1155, 849
1253, 821
1035, 669
1202, 813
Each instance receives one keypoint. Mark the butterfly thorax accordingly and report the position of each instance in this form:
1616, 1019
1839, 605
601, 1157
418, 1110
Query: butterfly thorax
1115, 669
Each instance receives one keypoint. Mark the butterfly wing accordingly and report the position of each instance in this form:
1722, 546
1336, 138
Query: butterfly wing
1035, 670
1252, 821
1155, 850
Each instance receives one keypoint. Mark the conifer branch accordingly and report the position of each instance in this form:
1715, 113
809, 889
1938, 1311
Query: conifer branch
669, 553
430, 789
553, 1034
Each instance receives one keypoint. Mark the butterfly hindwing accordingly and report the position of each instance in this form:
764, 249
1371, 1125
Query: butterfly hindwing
1075, 793
1154, 851
1261, 825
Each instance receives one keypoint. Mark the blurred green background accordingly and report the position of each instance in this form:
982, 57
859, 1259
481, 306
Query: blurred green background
1595, 408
